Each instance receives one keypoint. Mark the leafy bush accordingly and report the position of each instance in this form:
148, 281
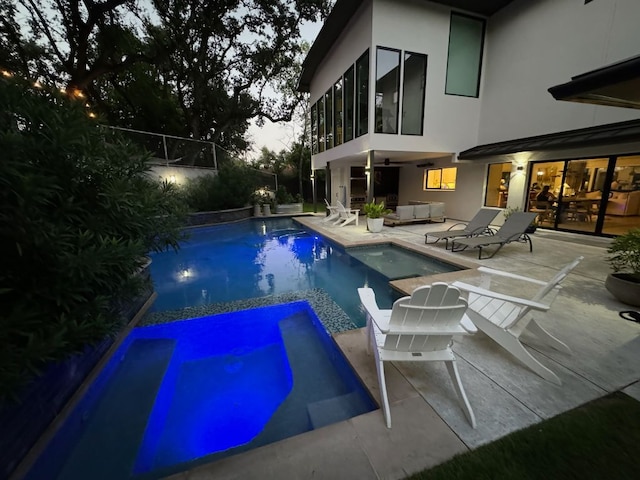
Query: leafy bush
625, 253
78, 213
231, 188
375, 210
282, 196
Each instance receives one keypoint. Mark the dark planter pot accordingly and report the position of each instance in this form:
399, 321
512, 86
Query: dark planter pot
624, 287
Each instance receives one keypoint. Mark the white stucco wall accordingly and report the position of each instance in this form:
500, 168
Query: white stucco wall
451, 122
461, 203
181, 174
534, 45
352, 43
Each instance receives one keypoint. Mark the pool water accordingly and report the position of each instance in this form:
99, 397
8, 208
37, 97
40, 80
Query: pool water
255, 259
184, 393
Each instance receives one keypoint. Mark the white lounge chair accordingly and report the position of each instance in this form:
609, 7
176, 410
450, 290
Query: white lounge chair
333, 213
346, 215
505, 317
478, 225
418, 329
512, 230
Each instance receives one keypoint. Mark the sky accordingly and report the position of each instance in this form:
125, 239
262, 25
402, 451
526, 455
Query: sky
280, 136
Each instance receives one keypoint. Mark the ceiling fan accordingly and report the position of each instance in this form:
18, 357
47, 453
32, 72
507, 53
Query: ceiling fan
388, 162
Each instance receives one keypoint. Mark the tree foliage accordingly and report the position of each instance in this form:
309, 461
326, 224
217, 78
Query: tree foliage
78, 212
211, 65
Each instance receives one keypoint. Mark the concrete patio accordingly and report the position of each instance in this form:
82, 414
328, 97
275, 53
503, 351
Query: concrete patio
428, 425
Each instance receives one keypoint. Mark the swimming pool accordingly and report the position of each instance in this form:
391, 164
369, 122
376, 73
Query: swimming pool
184, 393
251, 376
257, 259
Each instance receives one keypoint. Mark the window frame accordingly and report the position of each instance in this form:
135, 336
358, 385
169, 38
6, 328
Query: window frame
362, 128
426, 175
397, 92
424, 90
483, 22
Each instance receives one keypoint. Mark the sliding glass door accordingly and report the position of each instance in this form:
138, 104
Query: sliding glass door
595, 195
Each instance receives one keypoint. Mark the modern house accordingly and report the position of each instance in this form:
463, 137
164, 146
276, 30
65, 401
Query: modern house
481, 103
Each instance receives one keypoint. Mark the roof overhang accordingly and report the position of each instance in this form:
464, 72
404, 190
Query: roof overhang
612, 134
616, 85
343, 11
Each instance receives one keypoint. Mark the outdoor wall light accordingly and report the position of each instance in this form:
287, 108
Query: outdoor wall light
172, 179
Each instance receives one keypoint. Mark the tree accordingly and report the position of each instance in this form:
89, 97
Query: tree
218, 62
78, 212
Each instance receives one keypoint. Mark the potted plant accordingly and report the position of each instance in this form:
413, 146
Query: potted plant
374, 212
510, 210
624, 283
257, 200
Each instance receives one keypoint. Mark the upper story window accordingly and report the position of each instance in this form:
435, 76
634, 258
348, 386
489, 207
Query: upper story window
321, 135
337, 113
413, 88
387, 90
314, 128
464, 62
328, 111
440, 179
349, 108
362, 94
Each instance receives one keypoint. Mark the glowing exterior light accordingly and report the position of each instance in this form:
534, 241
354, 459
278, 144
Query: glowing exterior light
37, 84
78, 93
92, 115
7, 73
172, 179
186, 273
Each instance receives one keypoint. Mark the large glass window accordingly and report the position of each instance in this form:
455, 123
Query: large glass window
349, 105
387, 90
413, 88
440, 179
337, 113
314, 128
464, 62
362, 94
321, 135
328, 111
497, 185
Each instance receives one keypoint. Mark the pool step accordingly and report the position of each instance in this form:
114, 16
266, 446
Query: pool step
108, 446
336, 409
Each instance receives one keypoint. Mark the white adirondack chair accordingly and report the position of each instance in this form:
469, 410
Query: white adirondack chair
346, 215
504, 318
418, 329
333, 213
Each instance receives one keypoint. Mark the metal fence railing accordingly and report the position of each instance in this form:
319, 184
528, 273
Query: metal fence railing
170, 150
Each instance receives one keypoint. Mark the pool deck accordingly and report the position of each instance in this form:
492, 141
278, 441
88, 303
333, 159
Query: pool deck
428, 425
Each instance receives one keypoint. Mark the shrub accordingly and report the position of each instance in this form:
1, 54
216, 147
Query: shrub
78, 213
375, 210
282, 196
625, 253
232, 187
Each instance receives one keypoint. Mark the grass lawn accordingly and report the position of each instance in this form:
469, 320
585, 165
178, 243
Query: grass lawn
308, 207
599, 440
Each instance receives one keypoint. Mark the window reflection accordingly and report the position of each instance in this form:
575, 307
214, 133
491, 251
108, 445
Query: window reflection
387, 90
597, 195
